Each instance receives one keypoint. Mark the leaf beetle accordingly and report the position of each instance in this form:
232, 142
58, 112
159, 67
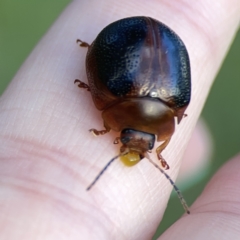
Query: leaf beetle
139, 76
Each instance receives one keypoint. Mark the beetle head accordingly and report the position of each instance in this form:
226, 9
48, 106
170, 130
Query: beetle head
136, 143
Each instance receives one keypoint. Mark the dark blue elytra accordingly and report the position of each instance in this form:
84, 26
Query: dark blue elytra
141, 57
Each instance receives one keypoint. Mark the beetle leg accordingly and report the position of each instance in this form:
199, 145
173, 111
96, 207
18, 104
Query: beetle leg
116, 141
82, 44
180, 115
82, 84
163, 162
159, 150
96, 132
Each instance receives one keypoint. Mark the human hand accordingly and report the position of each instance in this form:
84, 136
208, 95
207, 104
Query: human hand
48, 157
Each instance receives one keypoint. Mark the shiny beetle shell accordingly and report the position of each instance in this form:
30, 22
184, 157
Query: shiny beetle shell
139, 77
139, 57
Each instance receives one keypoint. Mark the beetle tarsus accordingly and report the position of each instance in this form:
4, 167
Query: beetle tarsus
82, 44
116, 141
96, 132
163, 162
82, 84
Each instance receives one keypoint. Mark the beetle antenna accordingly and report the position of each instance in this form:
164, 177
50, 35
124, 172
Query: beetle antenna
180, 196
104, 169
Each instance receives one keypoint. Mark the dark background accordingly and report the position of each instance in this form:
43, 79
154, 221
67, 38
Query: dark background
23, 23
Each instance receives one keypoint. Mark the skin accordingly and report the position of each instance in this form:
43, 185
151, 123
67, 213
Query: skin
48, 157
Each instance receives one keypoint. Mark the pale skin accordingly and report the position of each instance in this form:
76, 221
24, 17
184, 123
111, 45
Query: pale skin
48, 157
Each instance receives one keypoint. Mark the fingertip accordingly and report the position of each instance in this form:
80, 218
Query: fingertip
197, 157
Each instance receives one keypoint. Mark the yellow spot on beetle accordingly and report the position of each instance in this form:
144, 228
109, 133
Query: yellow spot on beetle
130, 159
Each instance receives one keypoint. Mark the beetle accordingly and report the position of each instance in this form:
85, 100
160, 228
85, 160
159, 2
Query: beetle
138, 72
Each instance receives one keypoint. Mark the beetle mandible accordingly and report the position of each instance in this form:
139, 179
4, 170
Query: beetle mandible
138, 72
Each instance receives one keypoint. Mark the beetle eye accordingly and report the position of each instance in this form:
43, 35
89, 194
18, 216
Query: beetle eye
151, 145
125, 139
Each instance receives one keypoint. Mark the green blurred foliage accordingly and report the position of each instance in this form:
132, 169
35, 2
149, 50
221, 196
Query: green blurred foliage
22, 23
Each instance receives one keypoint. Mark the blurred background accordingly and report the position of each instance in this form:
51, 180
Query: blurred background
23, 23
